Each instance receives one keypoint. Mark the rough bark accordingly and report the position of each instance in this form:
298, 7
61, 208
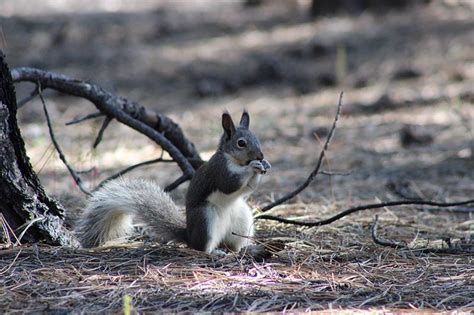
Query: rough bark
23, 202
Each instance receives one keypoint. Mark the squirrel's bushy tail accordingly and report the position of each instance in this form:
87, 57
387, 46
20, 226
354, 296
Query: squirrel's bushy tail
112, 209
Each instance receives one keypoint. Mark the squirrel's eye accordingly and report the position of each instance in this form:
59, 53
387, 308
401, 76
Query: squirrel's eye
241, 143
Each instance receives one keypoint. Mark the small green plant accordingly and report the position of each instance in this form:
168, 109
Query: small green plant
127, 304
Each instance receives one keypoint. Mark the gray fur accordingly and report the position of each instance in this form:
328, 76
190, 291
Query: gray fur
216, 203
231, 136
216, 200
113, 208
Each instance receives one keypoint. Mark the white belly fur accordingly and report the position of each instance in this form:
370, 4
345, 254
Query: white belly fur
228, 209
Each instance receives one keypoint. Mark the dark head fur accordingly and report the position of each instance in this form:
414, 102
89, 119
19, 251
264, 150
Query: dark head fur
239, 142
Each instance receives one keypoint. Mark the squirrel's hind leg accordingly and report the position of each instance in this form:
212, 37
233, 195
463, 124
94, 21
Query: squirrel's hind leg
204, 229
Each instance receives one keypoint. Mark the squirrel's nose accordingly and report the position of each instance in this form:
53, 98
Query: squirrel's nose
260, 156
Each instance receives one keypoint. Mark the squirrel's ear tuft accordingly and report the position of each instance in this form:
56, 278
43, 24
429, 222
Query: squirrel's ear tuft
228, 125
245, 120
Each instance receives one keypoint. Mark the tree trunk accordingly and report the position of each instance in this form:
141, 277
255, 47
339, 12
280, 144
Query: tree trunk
23, 202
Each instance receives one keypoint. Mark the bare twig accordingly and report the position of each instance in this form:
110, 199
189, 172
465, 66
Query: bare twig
315, 172
104, 126
73, 173
131, 168
361, 208
379, 241
177, 182
84, 118
32, 95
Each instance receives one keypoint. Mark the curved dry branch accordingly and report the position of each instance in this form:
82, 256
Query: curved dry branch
346, 212
157, 127
315, 171
377, 240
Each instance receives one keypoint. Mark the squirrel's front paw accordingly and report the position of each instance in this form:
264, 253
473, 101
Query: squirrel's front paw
266, 165
260, 167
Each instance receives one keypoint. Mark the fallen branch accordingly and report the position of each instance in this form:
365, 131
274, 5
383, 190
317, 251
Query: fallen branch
349, 211
315, 171
159, 128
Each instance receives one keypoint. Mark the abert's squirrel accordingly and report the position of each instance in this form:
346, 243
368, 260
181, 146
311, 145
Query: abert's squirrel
216, 205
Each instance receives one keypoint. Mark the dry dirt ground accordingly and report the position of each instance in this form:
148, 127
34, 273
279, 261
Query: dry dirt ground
402, 72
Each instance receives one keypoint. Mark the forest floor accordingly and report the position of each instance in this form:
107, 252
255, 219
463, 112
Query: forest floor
406, 131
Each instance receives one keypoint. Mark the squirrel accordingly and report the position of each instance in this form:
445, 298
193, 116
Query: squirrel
216, 205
